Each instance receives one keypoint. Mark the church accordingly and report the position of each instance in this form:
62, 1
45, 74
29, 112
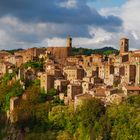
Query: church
61, 52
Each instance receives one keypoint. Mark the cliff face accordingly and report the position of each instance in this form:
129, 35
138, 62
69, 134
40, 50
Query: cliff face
59, 52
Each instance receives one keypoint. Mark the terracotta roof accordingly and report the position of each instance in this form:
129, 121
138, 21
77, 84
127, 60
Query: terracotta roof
136, 51
84, 96
100, 92
136, 55
8, 63
133, 88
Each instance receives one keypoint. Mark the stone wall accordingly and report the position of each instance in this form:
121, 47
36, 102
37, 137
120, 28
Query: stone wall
59, 52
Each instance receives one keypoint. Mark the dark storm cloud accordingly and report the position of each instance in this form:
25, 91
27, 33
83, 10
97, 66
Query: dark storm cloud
50, 11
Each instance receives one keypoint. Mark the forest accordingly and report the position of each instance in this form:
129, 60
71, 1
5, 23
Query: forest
40, 118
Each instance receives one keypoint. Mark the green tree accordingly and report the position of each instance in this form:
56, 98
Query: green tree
57, 117
88, 117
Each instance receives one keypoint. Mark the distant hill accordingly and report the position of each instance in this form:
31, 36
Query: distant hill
85, 51
13, 50
82, 51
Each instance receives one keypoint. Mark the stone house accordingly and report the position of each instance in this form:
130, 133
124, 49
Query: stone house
89, 79
87, 61
15, 60
4, 55
61, 85
46, 82
135, 60
61, 52
14, 102
30, 54
73, 73
86, 86
131, 90
96, 59
6, 67
73, 90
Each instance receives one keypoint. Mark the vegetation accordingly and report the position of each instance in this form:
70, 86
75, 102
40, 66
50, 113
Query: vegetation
51, 119
7, 77
92, 121
13, 51
85, 51
37, 65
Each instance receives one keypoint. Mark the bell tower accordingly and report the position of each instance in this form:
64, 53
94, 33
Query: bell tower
124, 45
69, 42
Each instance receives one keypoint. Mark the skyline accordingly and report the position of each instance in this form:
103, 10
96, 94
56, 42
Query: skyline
92, 24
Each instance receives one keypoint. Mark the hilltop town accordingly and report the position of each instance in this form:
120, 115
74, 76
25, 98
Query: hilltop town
70, 79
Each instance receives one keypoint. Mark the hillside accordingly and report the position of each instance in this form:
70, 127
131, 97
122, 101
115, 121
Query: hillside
85, 51
12, 51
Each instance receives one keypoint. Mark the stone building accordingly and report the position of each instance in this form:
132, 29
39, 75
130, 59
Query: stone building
101, 71
87, 61
73, 73
96, 59
73, 90
61, 52
57, 73
3, 55
30, 54
74, 60
28, 74
91, 71
14, 102
6, 67
86, 86
15, 60
135, 60
100, 93
46, 82
117, 63
105, 70
131, 90
60, 85
128, 73
89, 79
124, 45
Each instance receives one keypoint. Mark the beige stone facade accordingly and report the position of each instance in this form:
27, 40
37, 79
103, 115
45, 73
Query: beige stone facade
30, 54
46, 82
61, 85
14, 102
73, 90
15, 60
5, 67
61, 52
73, 73
86, 86
124, 45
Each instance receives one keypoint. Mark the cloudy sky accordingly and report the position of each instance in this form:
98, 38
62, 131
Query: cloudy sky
91, 23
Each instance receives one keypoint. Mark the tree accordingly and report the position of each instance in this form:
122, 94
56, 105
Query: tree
88, 116
57, 117
33, 109
124, 121
64, 135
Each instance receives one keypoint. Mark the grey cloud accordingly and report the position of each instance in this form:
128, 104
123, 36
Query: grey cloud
50, 11
57, 21
36, 32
